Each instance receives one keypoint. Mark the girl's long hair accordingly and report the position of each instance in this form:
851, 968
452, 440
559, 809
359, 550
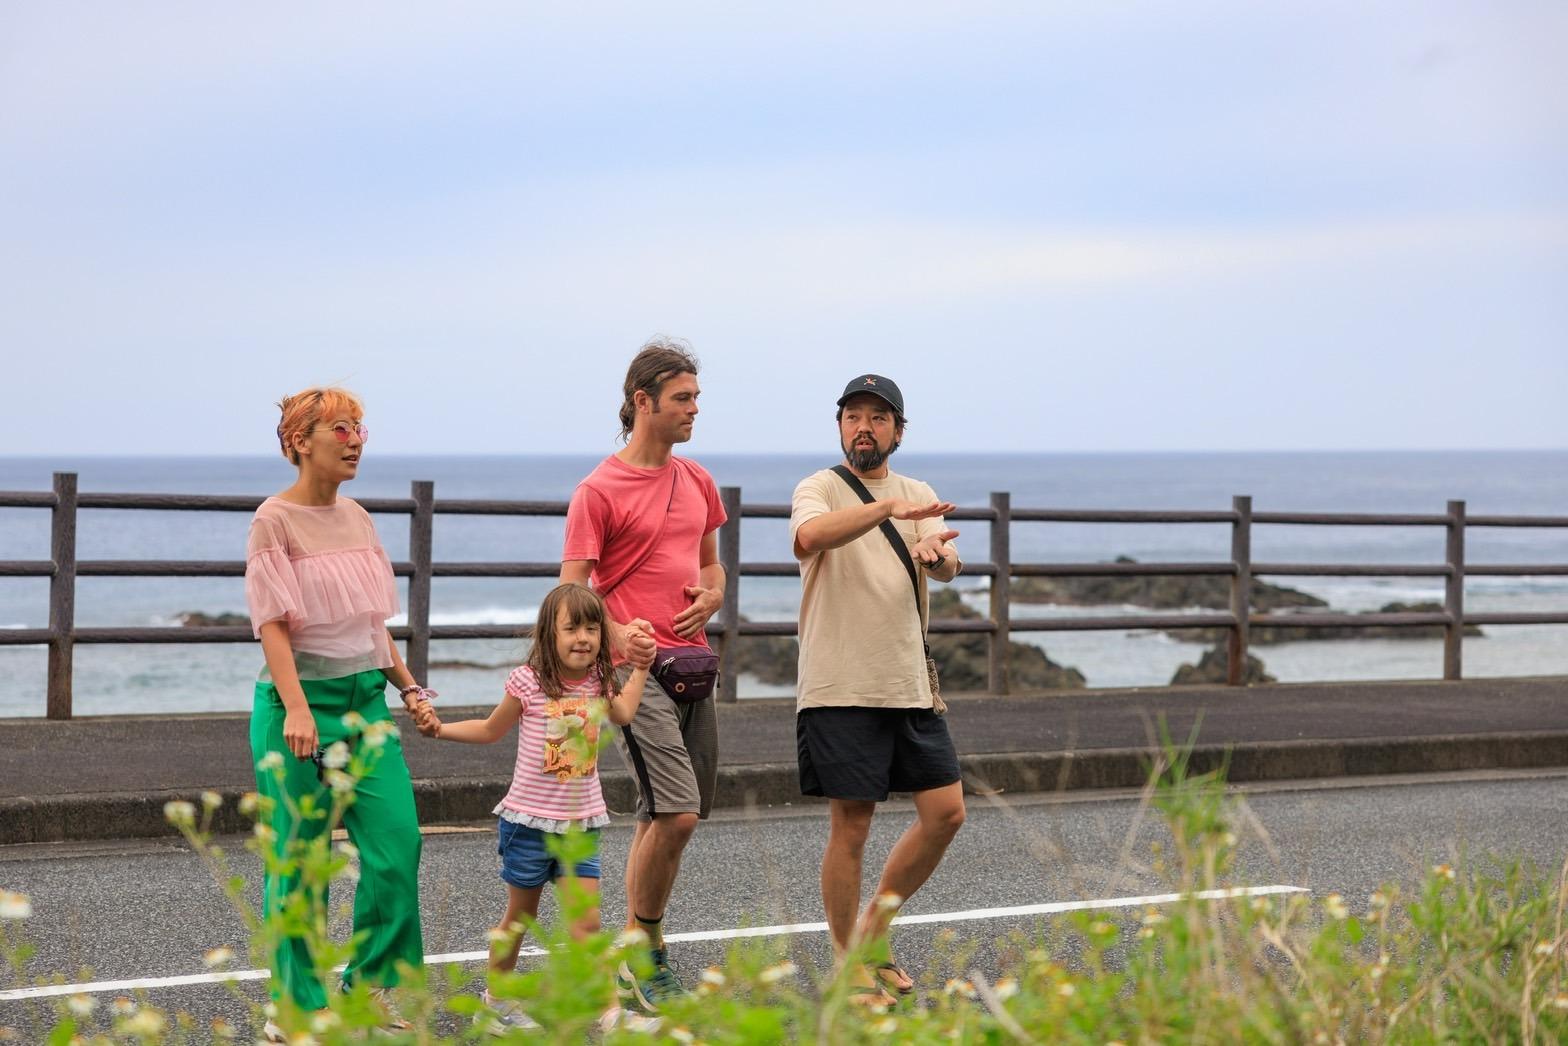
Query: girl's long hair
583, 606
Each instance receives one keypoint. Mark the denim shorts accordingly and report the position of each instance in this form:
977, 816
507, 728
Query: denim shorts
526, 861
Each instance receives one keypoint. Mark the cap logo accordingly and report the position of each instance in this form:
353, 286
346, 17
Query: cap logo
871, 381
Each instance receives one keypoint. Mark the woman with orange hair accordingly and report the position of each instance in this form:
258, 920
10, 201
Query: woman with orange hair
320, 590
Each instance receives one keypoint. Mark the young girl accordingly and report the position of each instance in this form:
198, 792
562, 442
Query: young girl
560, 698
320, 590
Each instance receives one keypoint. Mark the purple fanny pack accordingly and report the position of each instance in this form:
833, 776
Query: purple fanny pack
687, 673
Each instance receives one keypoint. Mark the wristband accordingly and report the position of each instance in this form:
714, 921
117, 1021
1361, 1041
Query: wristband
425, 693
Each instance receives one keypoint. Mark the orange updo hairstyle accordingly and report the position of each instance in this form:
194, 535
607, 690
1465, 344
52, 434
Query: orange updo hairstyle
303, 410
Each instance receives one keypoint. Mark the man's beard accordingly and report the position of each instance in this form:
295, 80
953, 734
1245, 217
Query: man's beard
868, 459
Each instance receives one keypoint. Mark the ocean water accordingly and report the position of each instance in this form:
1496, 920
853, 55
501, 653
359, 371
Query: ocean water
151, 679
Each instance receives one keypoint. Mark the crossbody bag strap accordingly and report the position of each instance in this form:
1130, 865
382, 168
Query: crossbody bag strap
889, 531
604, 593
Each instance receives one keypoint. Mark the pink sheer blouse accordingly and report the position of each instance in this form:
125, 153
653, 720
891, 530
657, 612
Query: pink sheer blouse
322, 570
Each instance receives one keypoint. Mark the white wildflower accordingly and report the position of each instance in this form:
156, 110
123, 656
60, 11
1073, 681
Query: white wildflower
81, 1005
682, 1035
270, 761
885, 1026
1443, 871
264, 832
888, 902
347, 849
777, 972
714, 976
178, 812
325, 1021
340, 782
1006, 988
957, 986
335, 757
123, 1007
249, 803
146, 1023
211, 801
15, 905
1560, 1001
1066, 990
222, 1029
1334, 905
218, 957
353, 722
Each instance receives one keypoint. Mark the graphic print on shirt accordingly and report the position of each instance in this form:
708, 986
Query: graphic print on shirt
571, 736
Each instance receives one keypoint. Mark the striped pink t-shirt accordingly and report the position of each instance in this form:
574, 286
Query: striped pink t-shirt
556, 775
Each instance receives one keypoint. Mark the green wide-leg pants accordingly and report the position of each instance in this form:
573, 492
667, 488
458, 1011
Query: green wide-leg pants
381, 822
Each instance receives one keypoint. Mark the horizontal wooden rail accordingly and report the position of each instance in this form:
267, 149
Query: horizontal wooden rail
62, 568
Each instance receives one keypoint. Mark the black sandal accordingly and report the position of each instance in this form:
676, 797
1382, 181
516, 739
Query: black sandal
894, 982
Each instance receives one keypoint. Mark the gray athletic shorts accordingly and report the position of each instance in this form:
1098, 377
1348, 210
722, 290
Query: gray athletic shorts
672, 752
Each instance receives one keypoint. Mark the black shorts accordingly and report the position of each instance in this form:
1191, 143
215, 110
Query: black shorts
865, 753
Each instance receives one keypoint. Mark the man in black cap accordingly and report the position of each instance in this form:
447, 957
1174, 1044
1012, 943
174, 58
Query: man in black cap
867, 719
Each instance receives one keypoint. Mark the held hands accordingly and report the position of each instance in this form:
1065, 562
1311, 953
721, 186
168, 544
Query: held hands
426, 720
931, 550
705, 602
299, 733
633, 641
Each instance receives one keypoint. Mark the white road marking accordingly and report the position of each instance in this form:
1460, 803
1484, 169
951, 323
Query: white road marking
786, 929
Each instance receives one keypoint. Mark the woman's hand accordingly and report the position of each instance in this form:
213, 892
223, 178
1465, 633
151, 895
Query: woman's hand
299, 733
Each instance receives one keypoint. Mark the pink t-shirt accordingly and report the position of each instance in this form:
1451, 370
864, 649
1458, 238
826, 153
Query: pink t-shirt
321, 570
557, 775
650, 522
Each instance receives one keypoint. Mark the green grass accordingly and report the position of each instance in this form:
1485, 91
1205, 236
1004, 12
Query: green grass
1470, 954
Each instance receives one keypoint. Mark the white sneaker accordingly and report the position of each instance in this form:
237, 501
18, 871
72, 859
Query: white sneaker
505, 1013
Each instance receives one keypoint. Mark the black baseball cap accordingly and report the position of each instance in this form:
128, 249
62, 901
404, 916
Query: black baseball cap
878, 386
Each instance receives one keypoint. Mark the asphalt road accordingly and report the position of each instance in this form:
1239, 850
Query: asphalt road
124, 910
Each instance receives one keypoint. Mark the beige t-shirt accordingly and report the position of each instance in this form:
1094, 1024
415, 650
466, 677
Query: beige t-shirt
860, 633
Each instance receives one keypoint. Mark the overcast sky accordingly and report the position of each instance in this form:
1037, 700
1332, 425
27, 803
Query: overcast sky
1059, 226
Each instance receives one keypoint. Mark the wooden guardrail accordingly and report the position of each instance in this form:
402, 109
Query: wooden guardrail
63, 568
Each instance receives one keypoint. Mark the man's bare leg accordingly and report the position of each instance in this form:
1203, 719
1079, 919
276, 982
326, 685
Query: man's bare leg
849, 823
939, 814
652, 863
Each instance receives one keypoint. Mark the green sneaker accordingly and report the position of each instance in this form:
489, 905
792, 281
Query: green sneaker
658, 987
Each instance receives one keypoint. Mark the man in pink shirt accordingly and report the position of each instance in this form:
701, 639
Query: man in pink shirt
642, 529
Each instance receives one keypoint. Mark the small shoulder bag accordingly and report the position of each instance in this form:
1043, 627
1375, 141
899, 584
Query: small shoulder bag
896, 539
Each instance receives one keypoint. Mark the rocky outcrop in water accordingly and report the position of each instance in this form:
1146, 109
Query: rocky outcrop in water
1213, 668
961, 658
198, 619
1264, 635
1171, 592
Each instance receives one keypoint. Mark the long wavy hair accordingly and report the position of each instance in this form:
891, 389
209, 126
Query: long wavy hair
583, 606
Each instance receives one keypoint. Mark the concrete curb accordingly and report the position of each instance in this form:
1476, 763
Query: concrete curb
121, 815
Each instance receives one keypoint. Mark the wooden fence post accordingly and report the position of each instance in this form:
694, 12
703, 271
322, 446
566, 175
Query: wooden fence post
1001, 590
421, 533
62, 596
1240, 590
729, 559
1454, 594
